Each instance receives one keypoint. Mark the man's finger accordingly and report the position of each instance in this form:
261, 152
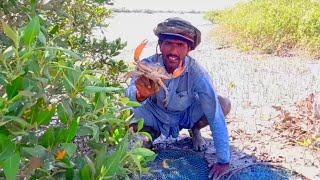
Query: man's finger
211, 164
211, 169
139, 81
153, 85
146, 82
211, 172
157, 87
216, 175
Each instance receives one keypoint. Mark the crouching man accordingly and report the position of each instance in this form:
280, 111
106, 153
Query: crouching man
192, 102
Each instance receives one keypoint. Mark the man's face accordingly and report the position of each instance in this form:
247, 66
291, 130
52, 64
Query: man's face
173, 52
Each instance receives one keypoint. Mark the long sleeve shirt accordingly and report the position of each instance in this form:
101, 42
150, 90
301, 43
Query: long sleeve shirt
193, 85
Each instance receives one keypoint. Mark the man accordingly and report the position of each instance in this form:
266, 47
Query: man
192, 102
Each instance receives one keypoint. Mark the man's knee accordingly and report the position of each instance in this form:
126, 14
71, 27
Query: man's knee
225, 104
203, 122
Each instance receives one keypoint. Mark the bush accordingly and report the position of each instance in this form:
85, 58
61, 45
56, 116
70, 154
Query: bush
52, 96
273, 26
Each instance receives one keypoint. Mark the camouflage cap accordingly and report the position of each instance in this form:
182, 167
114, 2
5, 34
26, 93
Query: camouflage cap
181, 28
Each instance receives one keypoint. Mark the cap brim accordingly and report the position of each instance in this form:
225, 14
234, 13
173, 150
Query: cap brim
180, 35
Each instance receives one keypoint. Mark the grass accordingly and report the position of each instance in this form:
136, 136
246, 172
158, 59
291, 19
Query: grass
272, 26
263, 82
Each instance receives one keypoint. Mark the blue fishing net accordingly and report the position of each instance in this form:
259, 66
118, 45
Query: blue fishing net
178, 165
257, 172
181, 164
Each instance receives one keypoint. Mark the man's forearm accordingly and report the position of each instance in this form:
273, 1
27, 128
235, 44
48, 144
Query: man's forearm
221, 138
131, 93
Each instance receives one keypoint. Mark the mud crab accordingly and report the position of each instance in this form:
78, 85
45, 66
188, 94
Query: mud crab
154, 72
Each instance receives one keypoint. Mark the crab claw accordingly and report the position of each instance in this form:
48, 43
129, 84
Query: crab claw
179, 71
139, 49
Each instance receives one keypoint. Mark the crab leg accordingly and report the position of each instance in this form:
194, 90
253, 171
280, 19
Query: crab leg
179, 71
166, 100
139, 49
143, 67
131, 74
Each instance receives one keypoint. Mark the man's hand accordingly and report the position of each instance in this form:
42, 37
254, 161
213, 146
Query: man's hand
217, 170
145, 88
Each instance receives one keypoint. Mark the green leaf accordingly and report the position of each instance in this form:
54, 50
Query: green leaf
72, 131
31, 31
13, 2
86, 172
48, 138
133, 104
118, 134
143, 152
95, 89
70, 79
44, 117
102, 1
140, 124
125, 100
101, 157
96, 145
33, 66
7, 147
112, 164
71, 148
3, 137
42, 38
16, 131
137, 162
54, 29
14, 87
91, 165
7, 151
16, 98
50, 54
26, 93
80, 101
12, 34
146, 134
70, 174
31, 139
95, 131
2, 102
61, 134
34, 5
100, 100
22, 122
21, 95
9, 52
79, 162
11, 166
84, 131
36, 151
66, 51
62, 113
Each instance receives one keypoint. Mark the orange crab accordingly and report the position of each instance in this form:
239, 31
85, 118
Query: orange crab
154, 72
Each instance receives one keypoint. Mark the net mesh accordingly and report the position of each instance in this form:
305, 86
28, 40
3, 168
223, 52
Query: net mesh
177, 165
181, 164
257, 171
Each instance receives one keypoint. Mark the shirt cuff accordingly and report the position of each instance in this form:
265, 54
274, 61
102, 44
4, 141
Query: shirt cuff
132, 95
